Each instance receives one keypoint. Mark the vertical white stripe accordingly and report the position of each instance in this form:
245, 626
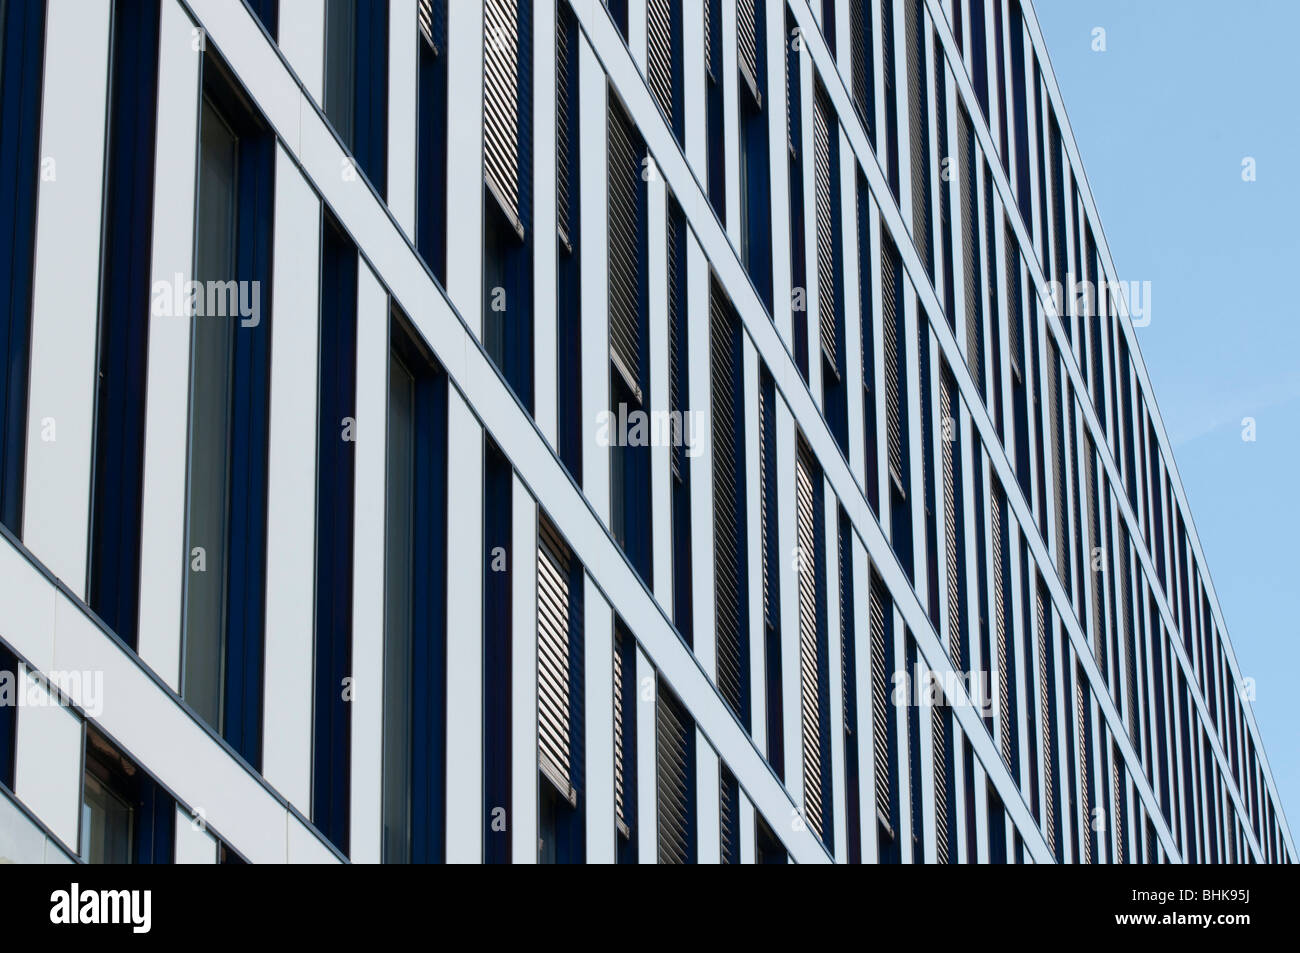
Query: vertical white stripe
695, 90
465, 161
774, 100
65, 286
599, 677
731, 122
545, 342
660, 451
708, 817
163, 559
594, 229
835, 669
643, 702
47, 760
369, 520
638, 32
464, 632
302, 40
291, 486
403, 79
523, 677
855, 285
754, 546
699, 372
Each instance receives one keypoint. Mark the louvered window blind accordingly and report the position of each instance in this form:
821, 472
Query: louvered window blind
555, 618
565, 136
1046, 713
626, 260
1058, 462
812, 691
501, 106
824, 128
919, 129
430, 31
861, 49
895, 385
733, 664
729, 816
1096, 545
675, 757
881, 709
970, 254
952, 515
624, 733
998, 514
663, 59
1083, 726
942, 754
747, 33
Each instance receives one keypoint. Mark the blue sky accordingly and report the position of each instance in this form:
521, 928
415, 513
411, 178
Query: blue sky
1185, 90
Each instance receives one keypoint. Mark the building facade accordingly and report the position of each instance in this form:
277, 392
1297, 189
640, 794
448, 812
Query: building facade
555, 430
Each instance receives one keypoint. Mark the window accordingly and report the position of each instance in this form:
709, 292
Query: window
768, 849
1016, 352
954, 521
997, 827
625, 774
629, 355
1095, 545
675, 754
1032, 715
717, 175
21, 47
730, 549
729, 816
755, 173
914, 759
945, 783
929, 526
508, 171
813, 662
1083, 715
970, 254
229, 418
945, 188
415, 618
569, 277
356, 82
830, 265
1003, 643
431, 132
892, 321
867, 338
991, 287
618, 10
864, 78
891, 94
849, 682
678, 407
884, 725
828, 24
114, 584
982, 624
268, 11
1020, 104
498, 503
126, 816
1057, 425
979, 55
798, 254
664, 62
335, 475
768, 522
560, 661
919, 128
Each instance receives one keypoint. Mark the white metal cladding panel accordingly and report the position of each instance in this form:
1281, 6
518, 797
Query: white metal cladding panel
291, 486
304, 43
366, 800
65, 286
598, 640
464, 630
47, 759
403, 76
465, 161
162, 529
193, 844
708, 802
524, 701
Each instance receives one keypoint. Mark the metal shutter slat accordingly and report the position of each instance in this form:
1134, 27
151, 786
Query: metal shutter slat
501, 105
998, 513
747, 47
659, 53
672, 758
969, 254
822, 172
947, 397
563, 108
676, 293
553, 661
938, 725
620, 808
625, 154
918, 128
424, 20
808, 670
890, 268
1045, 712
725, 505
879, 703
1015, 331
1085, 804
1058, 461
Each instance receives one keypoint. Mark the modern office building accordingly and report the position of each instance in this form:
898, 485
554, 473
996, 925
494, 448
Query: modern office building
555, 430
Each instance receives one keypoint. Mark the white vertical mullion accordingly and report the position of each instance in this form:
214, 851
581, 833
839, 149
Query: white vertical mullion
835, 673
981, 810
464, 794
638, 33
65, 286
403, 77
708, 817
643, 702
598, 642
774, 101
695, 90
808, 169
163, 560
303, 44
291, 486
545, 265
369, 523
465, 161
523, 674
592, 248
700, 371
731, 122
48, 759
660, 452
